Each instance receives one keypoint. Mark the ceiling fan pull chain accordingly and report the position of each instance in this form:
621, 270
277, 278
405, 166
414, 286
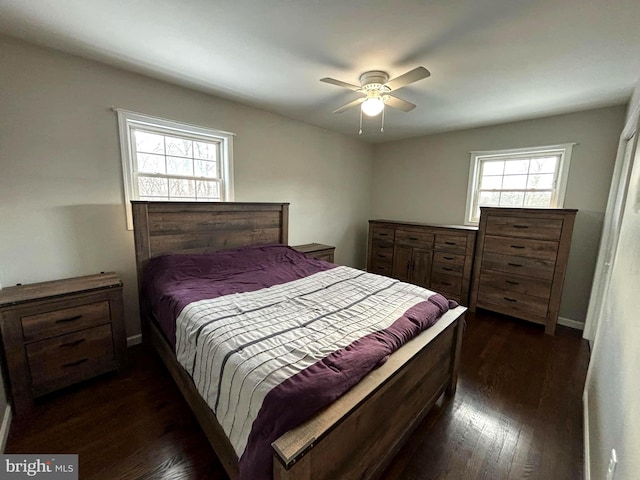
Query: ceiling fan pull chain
381, 126
360, 132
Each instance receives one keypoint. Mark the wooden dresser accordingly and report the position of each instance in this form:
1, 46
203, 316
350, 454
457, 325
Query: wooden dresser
520, 262
58, 333
317, 250
433, 256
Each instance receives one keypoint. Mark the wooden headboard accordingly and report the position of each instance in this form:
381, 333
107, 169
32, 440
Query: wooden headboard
201, 227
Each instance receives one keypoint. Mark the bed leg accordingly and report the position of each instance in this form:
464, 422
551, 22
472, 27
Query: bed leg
455, 361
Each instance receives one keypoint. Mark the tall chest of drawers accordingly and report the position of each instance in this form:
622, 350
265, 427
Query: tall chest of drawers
58, 333
436, 257
520, 262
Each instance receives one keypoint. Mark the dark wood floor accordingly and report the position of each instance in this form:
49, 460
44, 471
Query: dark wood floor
517, 414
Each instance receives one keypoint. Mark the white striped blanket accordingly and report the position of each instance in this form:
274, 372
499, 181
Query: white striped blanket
238, 347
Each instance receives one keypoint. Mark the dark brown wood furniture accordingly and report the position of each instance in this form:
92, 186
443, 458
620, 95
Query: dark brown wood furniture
58, 333
317, 250
357, 435
520, 262
436, 257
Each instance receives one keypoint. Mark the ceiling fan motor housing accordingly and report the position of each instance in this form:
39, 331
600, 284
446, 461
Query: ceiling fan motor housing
374, 79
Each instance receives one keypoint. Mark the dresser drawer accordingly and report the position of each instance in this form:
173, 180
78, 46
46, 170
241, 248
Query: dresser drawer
525, 227
444, 283
69, 358
414, 238
382, 234
449, 258
381, 268
57, 322
520, 302
536, 287
530, 267
447, 268
381, 253
540, 249
451, 243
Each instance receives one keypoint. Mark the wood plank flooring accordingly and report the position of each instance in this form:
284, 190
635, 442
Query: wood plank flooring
517, 414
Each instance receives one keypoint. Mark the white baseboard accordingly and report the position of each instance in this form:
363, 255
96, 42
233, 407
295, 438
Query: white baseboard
4, 429
134, 340
587, 458
567, 322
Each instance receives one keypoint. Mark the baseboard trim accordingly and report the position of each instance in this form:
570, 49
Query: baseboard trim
4, 429
587, 458
134, 340
567, 322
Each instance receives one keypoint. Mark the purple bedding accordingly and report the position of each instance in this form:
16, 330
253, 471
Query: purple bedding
171, 282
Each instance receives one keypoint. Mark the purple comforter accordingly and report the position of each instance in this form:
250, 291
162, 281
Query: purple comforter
174, 281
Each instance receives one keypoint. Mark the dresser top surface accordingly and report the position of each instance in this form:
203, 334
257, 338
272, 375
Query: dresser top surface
56, 288
432, 225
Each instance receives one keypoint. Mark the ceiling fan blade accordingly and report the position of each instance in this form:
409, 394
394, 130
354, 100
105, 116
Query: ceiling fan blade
396, 102
339, 83
411, 76
349, 105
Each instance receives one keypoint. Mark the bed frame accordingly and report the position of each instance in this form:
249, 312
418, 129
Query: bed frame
358, 434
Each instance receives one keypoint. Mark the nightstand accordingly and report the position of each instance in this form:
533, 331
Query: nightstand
317, 250
58, 333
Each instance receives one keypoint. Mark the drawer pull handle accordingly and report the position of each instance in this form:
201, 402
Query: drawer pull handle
446, 283
414, 239
383, 234
515, 264
510, 299
511, 282
70, 319
448, 258
72, 344
519, 247
381, 256
74, 364
450, 243
448, 269
520, 226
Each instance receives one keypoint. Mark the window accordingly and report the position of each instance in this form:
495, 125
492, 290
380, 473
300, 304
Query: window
531, 178
166, 160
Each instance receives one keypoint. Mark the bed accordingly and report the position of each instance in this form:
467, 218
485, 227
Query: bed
359, 433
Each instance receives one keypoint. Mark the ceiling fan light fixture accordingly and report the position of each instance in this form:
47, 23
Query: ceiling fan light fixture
372, 106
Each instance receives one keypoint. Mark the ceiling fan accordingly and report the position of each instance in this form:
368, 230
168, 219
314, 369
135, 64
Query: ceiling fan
376, 89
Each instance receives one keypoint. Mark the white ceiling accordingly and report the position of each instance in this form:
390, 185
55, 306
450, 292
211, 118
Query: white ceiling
491, 61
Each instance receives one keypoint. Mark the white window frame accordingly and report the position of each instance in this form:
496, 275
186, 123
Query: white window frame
561, 174
128, 120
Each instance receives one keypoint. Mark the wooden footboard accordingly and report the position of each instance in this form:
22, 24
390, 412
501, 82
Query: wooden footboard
359, 434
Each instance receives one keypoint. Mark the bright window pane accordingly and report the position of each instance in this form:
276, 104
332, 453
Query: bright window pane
149, 142
205, 151
487, 199
179, 147
543, 165
152, 187
543, 181
491, 183
182, 188
514, 182
203, 168
492, 168
149, 163
179, 166
208, 189
537, 199
511, 199
516, 166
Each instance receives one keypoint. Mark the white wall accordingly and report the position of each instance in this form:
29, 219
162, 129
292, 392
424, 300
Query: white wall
425, 179
61, 193
612, 390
